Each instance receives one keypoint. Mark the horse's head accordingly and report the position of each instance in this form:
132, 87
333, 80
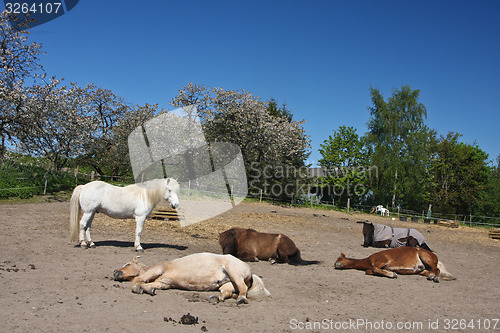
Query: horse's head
341, 262
129, 271
368, 230
171, 192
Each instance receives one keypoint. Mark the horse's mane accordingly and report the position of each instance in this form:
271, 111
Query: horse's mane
369, 232
152, 190
227, 241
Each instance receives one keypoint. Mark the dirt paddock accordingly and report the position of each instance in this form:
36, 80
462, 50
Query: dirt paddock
49, 285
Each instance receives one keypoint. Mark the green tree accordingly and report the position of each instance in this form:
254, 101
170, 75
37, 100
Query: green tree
344, 149
398, 139
460, 176
491, 206
279, 112
344, 164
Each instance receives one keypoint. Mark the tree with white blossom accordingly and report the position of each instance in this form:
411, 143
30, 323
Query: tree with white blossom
268, 141
18, 61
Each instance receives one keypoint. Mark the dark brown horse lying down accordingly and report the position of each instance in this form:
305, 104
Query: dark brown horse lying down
251, 245
400, 260
200, 272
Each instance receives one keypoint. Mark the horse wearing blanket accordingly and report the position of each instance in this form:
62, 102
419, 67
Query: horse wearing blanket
132, 201
379, 235
200, 272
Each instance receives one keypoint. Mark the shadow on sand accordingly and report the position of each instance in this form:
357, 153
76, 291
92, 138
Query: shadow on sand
115, 243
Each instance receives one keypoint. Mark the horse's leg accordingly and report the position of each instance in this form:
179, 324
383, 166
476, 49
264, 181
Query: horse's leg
247, 256
85, 224
383, 244
384, 272
226, 291
142, 283
139, 224
430, 260
237, 278
150, 288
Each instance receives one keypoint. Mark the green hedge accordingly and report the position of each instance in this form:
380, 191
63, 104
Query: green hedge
24, 180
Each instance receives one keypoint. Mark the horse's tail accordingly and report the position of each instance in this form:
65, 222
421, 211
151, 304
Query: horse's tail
296, 259
444, 273
74, 215
227, 241
257, 289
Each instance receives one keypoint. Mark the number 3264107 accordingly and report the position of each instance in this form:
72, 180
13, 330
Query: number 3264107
25, 8
472, 324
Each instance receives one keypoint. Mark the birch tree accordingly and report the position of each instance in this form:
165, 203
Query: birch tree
398, 138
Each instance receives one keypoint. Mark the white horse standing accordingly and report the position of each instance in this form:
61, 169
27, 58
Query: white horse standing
382, 210
132, 201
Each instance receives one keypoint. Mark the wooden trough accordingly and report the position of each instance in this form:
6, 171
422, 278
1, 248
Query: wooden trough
494, 233
167, 213
449, 224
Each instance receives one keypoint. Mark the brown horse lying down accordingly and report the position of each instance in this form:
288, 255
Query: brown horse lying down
200, 272
251, 245
400, 260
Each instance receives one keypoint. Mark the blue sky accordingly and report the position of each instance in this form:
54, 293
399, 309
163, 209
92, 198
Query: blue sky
319, 57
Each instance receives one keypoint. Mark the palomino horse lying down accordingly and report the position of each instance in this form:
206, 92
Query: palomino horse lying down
379, 235
400, 260
251, 245
200, 272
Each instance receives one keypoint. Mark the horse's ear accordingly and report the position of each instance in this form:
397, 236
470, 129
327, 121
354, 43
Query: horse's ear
342, 255
168, 181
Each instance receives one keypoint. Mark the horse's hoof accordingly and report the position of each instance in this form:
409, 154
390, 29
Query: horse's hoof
137, 289
92, 245
151, 291
83, 245
437, 279
140, 250
395, 275
272, 261
213, 299
118, 275
431, 277
241, 300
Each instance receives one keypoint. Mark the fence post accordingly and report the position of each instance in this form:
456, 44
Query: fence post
348, 204
46, 181
260, 200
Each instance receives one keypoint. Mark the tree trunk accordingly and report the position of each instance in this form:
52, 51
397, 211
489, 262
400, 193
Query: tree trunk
395, 187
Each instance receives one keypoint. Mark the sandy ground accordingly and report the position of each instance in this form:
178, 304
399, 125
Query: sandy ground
51, 286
